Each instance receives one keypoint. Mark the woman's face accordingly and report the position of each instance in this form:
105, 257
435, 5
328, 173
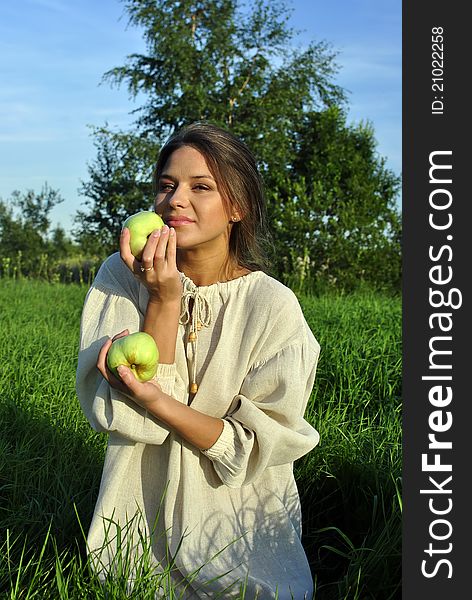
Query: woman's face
188, 199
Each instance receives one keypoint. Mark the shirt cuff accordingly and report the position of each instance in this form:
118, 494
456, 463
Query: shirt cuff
222, 444
165, 377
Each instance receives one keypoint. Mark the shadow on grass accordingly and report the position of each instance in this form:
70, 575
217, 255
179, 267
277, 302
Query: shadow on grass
352, 521
44, 471
352, 533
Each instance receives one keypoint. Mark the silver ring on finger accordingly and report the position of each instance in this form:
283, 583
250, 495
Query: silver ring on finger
146, 269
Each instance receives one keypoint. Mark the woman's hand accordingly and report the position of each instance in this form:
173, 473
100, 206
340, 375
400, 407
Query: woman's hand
199, 429
145, 394
158, 272
158, 267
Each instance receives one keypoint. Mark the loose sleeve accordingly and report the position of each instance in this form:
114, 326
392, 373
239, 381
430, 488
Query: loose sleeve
265, 425
106, 312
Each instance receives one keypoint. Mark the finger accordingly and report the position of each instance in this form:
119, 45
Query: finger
103, 366
150, 249
162, 245
105, 371
120, 335
116, 383
145, 394
128, 379
172, 248
102, 356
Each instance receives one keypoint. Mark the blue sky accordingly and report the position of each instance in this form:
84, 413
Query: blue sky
53, 54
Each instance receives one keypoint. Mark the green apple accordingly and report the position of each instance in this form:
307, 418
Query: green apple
137, 351
140, 226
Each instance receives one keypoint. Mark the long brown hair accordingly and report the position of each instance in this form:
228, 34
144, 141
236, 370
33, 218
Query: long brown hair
235, 170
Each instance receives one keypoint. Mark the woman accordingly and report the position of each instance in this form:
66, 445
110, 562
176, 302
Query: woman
200, 460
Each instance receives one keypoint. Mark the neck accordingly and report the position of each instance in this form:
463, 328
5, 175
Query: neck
206, 270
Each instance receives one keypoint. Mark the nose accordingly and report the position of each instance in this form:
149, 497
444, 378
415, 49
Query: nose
178, 197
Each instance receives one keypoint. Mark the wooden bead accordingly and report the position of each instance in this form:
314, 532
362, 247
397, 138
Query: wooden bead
192, 336
193, 388
199, 326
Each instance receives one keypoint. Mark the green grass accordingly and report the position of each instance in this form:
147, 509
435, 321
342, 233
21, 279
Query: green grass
51, 460
350, 485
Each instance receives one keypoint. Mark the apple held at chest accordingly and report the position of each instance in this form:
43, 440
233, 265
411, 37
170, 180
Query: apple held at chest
140, 226
137, 351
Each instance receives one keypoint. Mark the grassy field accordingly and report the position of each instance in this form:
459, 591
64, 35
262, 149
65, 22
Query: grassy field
51, 460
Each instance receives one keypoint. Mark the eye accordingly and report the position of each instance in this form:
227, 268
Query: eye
164, 186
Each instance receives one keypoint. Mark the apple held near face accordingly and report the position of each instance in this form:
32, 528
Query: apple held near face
140, 226
137, 351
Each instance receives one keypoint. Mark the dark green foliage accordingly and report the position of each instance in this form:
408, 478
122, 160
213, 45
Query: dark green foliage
28, 247
119, 185
24, 227
334, 212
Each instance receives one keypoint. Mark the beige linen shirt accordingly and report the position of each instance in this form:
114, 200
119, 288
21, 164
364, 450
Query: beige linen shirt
230, 514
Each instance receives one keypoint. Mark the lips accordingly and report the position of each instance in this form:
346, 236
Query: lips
177, 221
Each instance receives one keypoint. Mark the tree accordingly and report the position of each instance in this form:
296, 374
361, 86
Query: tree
35, 208
20, 243
24, 226
220, 62
337, 206
60, 245
25, 237
331, 198
119, 185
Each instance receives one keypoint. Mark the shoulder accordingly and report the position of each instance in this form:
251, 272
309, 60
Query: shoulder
276, 310
114, 277
272, 295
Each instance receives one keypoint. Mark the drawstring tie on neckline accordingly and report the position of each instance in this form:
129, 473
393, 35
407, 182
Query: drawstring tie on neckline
198, 316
